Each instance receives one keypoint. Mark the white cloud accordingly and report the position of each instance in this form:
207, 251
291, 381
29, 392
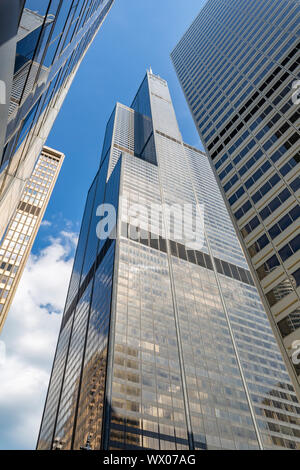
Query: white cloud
46, 223
30, 335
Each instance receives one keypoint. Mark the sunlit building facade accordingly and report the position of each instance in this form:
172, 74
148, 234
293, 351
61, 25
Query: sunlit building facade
163, 344
21, 232
239, 67
39, 60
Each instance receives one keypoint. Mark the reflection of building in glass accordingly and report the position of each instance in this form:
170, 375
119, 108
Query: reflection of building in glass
294, 320
162, 345
30, 29
24, 225
238, 65
49, 45
89, 415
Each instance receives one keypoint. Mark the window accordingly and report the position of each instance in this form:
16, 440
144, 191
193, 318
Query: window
267, 267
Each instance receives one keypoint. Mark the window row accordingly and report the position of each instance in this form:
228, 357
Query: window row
284, 288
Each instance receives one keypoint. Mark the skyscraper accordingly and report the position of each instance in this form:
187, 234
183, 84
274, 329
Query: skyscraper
164, 343
39, 59
239, 65
19, 237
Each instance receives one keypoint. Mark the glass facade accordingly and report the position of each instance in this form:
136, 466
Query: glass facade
163, 345
239, 67
52, 39
19, 237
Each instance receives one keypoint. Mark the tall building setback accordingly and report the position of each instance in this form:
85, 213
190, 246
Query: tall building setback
239, 67
163, 345
17, 242
39, 60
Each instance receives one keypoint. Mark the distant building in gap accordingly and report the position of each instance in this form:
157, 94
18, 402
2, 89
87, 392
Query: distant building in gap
17, 242
163, 345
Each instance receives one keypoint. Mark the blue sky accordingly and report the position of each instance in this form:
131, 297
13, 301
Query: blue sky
135, 35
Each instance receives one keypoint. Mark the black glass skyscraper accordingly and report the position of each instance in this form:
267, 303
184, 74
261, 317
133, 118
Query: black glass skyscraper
163, 344
239, 67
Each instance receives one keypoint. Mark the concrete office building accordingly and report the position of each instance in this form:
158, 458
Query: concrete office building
164, 343
239, 67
